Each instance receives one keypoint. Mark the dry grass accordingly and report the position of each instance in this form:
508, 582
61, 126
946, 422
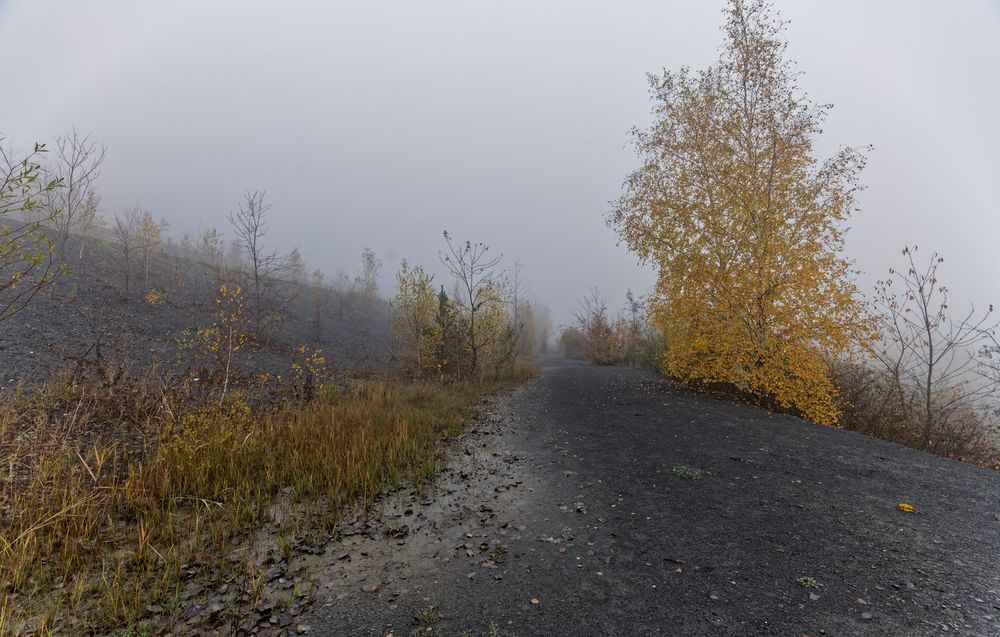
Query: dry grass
111, 496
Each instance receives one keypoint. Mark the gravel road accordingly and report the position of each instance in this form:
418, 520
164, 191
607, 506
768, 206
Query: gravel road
602, 501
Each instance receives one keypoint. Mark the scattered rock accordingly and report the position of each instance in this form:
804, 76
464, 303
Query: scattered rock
398, 532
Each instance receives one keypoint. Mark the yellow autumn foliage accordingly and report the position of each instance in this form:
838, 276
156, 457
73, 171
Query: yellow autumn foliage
744, 224
414, 308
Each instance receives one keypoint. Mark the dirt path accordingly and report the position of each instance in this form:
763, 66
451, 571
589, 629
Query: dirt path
599, 501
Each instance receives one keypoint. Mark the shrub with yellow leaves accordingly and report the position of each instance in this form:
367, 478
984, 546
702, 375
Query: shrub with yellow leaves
230, 336
225, 337
154, 297
307, 365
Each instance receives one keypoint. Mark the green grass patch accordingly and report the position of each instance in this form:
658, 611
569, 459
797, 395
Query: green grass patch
809, 582
688, 473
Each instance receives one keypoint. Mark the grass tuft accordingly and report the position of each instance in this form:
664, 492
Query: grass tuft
809, 582
688, 473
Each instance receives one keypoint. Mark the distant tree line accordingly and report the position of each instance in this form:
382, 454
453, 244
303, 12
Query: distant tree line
625, 337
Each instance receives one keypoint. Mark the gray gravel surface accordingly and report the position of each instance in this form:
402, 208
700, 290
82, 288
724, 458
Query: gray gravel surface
602, 501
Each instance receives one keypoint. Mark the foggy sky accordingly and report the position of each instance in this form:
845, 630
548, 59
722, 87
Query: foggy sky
382, 123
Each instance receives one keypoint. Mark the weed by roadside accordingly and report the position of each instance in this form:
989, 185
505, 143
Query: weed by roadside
688, 473
809, 582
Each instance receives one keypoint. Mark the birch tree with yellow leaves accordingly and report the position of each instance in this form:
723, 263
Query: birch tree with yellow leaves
745, 224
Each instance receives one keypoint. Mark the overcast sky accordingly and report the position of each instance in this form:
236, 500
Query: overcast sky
382, 123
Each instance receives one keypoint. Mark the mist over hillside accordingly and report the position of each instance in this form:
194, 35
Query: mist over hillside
86, 313
520, 318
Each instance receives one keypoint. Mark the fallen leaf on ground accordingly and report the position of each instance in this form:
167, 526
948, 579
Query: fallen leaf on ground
535, 601
906, 507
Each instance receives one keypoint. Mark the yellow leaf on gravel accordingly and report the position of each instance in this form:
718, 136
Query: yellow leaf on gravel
907, 508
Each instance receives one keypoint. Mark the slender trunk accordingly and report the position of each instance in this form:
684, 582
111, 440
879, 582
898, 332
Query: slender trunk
229, 359
928, 418
418, 341
472, 333
258, 314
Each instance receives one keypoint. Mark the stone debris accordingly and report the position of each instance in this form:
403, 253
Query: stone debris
372, 551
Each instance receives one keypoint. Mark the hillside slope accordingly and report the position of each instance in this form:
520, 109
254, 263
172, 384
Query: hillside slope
88, 304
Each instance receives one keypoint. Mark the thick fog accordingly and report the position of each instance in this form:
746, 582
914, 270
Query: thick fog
383, 123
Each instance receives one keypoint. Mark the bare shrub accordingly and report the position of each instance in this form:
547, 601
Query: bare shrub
127, 230
602, 334
264, 266
76, 164
923, 384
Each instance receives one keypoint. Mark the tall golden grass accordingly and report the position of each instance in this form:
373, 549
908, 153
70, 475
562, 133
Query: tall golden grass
96, 528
